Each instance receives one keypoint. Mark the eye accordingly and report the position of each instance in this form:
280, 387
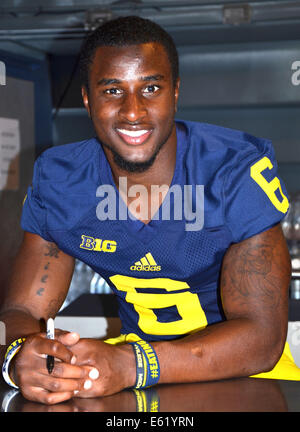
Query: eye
112, 91
151, 88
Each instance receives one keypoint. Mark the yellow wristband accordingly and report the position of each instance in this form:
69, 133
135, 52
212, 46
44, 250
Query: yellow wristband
9, 355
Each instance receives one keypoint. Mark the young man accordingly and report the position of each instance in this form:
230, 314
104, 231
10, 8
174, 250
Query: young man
206, 283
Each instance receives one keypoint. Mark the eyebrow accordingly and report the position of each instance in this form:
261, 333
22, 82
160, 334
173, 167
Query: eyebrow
109, 81
157, 77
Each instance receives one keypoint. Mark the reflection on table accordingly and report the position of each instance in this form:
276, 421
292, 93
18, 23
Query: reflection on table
235, 395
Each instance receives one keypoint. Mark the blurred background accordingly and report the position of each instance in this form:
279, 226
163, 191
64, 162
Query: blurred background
239, 67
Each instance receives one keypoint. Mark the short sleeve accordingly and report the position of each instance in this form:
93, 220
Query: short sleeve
255, 197
33, 217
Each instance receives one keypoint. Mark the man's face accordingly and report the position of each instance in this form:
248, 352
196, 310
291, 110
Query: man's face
132, 102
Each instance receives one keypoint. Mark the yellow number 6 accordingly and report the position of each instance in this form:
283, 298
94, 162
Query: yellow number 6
269, 187
188, 306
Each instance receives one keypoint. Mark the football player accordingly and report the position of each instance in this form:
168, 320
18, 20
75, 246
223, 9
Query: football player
182, 220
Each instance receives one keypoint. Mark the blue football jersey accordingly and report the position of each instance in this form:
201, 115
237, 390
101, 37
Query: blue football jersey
166, 273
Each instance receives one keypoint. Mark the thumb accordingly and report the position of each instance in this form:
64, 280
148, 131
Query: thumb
68, 338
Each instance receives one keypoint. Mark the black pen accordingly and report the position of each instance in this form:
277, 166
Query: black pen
50, 335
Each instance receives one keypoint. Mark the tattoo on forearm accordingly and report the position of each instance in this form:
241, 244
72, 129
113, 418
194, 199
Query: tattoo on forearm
53, 250
40, 291
44, 278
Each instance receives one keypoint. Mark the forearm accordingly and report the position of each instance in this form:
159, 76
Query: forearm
37, 288
234, 348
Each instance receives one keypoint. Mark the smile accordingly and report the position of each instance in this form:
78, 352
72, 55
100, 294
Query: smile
134, 137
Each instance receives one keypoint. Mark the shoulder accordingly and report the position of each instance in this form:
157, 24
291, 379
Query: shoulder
57, 163
71, 150
225, 143
65, 181
215, 155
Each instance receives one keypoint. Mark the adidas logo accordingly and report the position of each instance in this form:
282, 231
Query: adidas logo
147, 263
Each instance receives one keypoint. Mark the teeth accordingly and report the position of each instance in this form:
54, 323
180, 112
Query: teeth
133, 134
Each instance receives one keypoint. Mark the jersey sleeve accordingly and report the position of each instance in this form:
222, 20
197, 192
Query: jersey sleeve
255, 197
34, 213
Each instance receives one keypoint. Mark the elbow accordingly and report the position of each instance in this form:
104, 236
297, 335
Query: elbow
271, 355
275, 357
269, 362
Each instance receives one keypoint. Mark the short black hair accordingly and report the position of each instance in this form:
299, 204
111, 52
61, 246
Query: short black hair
125, 31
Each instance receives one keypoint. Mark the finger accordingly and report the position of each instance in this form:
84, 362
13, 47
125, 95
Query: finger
87, 390
78, 372
54, 348
64, 336
58, 385
68, 338
66, 370
54, 398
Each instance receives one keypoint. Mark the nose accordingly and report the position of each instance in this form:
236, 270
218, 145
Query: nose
133, 108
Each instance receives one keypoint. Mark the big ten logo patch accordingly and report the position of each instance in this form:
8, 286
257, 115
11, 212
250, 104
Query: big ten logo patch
97, 245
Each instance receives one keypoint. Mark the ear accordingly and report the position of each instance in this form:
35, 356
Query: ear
176, 92
85, 98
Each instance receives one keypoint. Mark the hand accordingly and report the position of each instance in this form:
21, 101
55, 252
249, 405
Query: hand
115, 363
30, 373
